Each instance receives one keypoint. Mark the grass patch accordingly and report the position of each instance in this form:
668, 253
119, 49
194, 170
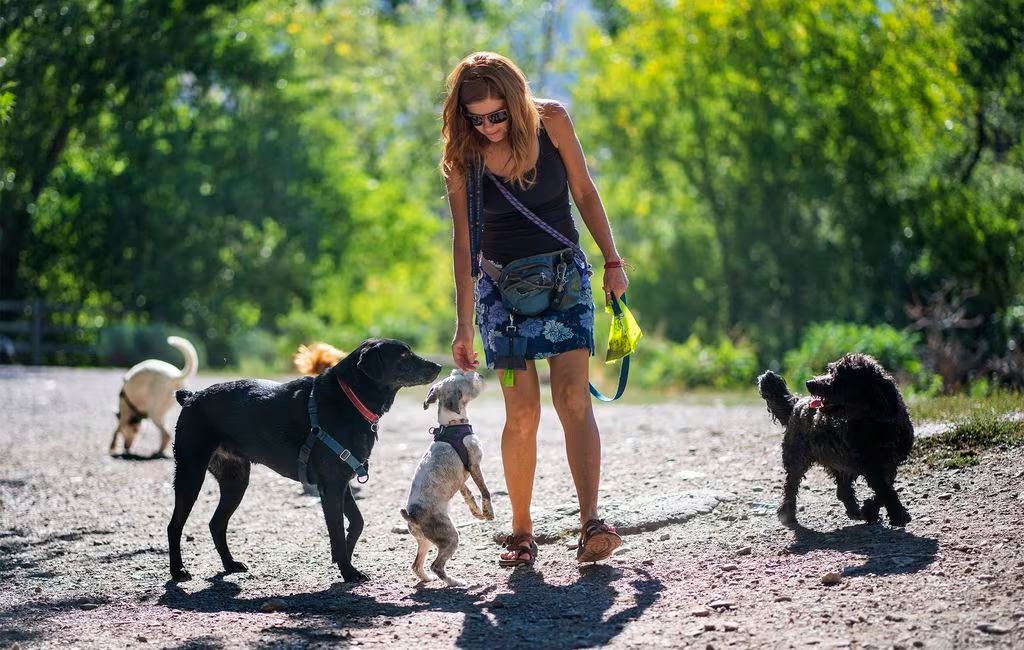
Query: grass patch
947, 408
971, 434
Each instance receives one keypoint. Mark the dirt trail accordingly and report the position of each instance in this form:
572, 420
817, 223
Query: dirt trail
83, 550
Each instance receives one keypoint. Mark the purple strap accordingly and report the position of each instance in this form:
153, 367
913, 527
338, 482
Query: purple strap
577, 252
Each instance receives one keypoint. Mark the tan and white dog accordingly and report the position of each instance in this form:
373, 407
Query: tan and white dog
452, 458
148, 392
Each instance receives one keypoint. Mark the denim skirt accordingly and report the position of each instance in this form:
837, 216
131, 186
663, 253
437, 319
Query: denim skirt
547, 334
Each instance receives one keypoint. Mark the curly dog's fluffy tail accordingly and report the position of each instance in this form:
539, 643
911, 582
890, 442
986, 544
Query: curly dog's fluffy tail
774, 391
314, 359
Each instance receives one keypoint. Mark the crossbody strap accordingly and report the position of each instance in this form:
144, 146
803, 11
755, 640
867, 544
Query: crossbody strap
577, 252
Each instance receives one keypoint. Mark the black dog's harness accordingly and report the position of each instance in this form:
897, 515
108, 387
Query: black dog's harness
453, 434
137, 415
316, 433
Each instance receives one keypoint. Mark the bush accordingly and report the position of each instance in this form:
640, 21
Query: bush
826, 342
126, 344
724, 364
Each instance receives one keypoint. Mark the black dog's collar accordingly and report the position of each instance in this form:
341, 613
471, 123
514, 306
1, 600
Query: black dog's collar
453, 434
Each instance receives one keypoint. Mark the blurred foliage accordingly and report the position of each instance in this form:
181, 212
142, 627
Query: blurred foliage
722, 364
826, 342
779, 163
263, 173
127, 344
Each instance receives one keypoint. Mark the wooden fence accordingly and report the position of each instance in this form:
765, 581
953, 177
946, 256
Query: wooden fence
38, 330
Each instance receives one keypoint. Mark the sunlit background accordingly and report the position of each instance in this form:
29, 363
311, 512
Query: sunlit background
789, 180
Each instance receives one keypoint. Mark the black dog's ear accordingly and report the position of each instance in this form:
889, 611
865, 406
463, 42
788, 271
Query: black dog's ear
431, 397
371, 364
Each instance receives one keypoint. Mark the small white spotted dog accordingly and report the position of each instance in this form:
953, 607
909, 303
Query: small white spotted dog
453, 457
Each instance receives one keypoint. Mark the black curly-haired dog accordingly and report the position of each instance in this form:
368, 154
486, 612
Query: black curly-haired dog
227, 427
854, 424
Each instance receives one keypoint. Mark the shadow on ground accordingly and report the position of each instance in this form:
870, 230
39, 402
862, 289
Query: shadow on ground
888, 551
534, 612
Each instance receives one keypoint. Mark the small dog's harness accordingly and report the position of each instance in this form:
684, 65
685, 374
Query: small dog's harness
317, 433
453, 434
137, 415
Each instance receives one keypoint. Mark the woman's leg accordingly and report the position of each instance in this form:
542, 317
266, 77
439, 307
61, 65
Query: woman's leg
519, 444
570, 377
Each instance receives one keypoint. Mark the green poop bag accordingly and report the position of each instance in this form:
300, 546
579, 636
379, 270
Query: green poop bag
625, 331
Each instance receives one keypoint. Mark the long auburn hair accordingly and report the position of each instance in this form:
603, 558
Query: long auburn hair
481, 76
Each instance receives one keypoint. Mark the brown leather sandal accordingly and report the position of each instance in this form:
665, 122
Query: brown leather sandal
598, 541
518, 546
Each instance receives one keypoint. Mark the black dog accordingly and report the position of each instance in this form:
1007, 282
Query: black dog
227, 427
855, 424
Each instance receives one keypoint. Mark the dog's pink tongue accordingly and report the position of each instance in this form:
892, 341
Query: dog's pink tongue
815, 403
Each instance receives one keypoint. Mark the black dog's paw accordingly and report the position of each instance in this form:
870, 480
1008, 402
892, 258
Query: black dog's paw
899, 518
787, 516
234, 566
870, 510
354, 575
855, 513
180, 575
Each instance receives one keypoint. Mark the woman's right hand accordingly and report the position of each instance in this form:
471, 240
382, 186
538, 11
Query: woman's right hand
462, 349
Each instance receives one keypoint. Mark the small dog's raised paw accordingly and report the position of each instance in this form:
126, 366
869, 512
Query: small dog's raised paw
488, 510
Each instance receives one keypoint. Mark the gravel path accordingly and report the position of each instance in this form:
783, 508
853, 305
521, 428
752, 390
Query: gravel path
83, 559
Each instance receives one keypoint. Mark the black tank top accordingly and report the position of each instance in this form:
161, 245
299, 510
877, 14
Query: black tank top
508, 234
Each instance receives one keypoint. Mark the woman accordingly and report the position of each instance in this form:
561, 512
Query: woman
528, 145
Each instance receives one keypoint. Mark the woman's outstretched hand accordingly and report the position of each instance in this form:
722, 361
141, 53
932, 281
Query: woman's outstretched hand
462, 349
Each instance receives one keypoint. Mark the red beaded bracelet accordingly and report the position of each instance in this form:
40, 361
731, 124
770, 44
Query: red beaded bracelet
615, 264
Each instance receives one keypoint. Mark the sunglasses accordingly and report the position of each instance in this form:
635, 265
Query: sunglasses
497, 117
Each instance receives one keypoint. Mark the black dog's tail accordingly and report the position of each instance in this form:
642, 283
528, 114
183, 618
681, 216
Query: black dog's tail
774, 391
183, 396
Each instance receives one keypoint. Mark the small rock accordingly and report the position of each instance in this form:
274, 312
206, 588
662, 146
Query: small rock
918, 644
746, 550
39, 590
729, 567
783, 599
647, 562
665, 537
992, 628
831, 578
141, 639
945, 496
189, 538
730, 627
400, 530
272, 605
88, 606
986, 577
895, 618
709, 627
701, 612
757, 488
722, 604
